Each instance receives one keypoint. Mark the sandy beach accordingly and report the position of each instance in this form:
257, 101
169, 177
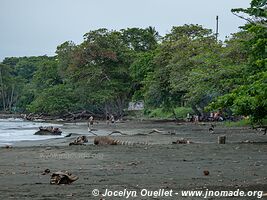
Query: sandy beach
158, 165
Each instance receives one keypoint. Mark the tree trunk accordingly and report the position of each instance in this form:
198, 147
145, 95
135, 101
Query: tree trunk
11, 97
2, 91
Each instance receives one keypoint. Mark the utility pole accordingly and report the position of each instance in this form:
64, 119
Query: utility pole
217, 27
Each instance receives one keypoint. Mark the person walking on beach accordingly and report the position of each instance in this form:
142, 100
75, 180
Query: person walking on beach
90, 123
112, 119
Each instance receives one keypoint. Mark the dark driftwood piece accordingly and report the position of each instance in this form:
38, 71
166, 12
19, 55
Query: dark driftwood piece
68, 135
79, 140
182, 141
50, 130
60, 177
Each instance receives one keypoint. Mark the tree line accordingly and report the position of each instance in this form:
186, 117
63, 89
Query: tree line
186, 67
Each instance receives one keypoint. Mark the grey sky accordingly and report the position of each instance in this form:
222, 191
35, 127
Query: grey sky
37, 27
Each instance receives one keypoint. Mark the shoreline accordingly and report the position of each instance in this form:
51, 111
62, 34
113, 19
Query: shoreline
136, 131
160, 164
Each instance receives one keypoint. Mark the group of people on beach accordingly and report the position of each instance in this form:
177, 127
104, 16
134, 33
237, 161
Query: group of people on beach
214, 116
109, 119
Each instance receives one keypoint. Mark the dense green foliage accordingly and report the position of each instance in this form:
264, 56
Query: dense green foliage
187, 67
249, 97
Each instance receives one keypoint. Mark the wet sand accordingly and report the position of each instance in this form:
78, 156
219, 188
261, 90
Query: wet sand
159, 165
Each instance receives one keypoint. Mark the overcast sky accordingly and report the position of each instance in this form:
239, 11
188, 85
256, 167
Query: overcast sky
37, 27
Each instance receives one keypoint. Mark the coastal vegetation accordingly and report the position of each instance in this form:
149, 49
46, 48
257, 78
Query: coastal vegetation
187, 68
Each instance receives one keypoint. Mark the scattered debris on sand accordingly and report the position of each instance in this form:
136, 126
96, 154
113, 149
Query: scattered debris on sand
79, 140
206, 172
60, 177
182, 141
46, 171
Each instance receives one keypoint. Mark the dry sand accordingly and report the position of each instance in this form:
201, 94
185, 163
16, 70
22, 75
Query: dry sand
160, 165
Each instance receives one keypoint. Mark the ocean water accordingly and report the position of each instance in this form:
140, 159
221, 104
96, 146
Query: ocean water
15, 129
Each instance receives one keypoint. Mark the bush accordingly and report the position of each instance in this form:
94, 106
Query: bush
53, 101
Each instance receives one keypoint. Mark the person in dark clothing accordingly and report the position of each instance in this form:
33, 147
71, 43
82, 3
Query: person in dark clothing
107, 118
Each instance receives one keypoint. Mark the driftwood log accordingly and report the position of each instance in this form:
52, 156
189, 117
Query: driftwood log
79, 141
60, 177
49, 130
119, 132
182, 141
